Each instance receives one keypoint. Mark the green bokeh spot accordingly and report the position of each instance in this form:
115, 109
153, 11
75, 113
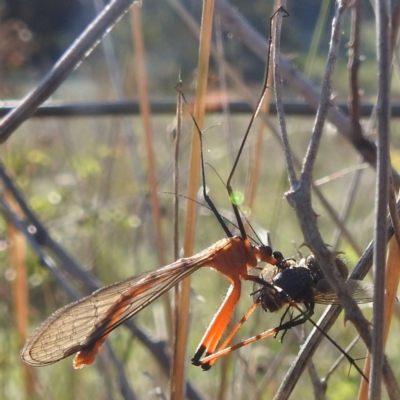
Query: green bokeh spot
237, 198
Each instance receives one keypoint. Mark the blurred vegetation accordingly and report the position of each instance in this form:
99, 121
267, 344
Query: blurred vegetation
77, 175
54, 26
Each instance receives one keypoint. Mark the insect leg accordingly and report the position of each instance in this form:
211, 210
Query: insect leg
282, 319
229, 338
219, 323
299, 319
213, 357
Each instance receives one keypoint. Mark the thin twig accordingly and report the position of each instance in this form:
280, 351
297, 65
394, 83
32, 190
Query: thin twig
382, 188
325, 101
65, 65
299, 198
319, 386
176, 376
348, 203
354, 66
279, 99
334, 366
325, 323
178, 131
235, 23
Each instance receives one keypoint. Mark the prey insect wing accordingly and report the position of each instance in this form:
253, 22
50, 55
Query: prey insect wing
362, 292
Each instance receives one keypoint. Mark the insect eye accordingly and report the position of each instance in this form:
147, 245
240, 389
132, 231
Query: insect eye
278, 255
267, 250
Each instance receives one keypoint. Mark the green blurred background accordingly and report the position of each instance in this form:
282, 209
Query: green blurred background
86, 180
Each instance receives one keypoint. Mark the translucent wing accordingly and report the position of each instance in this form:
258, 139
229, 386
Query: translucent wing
84, 325
363, 292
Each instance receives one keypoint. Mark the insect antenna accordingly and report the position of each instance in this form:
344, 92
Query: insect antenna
253, 117
203, 174
257, 238
228, 183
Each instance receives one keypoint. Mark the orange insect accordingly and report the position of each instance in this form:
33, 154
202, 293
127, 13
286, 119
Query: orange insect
83, 326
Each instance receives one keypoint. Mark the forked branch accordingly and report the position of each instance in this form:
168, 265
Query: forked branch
299, 196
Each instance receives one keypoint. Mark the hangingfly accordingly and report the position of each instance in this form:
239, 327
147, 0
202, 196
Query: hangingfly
83, 326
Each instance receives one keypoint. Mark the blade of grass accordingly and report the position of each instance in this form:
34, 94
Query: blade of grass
259, 141
317, 35
141, 76
254, 174
17, 256
393, 272
194, 174
177, 291
222, 77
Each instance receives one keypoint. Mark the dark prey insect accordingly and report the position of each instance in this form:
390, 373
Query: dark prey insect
293, 283
304, 282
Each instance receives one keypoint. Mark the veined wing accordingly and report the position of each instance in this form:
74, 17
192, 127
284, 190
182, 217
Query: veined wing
363, 292
84, 325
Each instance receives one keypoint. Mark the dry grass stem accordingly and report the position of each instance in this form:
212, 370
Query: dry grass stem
141, 79
17, 256
194, 174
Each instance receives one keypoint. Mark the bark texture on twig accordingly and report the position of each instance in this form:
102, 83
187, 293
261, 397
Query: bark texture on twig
299, 197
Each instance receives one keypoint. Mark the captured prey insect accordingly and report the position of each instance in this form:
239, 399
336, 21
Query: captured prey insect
293, 283
304, 282
83, 326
